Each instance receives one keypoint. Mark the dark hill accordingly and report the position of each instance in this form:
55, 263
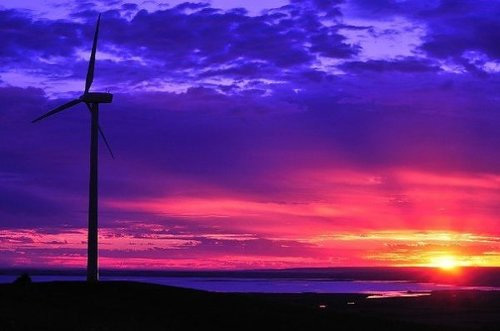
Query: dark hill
138, 306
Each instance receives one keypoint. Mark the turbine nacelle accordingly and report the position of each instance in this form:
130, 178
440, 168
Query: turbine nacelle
97, 97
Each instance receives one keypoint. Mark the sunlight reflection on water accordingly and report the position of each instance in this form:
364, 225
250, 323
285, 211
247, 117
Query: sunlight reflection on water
396, 294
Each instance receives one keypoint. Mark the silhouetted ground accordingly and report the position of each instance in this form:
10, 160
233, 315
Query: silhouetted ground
137, 306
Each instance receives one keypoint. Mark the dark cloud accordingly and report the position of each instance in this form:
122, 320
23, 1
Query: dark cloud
24, 37
130, 6
18, 102
189, 36
389, 8
217, 248
14, 203
453, 27
451, 37
402, 65
203, 38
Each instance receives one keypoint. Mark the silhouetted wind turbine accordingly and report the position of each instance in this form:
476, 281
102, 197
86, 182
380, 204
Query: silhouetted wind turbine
92, 100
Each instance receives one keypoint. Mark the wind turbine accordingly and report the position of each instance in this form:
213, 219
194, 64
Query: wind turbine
92, 100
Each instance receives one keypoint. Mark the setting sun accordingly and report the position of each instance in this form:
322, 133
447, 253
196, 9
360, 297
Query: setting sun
445, 262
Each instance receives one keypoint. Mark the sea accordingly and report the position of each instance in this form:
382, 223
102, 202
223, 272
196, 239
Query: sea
360, 281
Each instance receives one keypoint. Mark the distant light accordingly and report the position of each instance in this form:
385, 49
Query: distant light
322, 306
351, 303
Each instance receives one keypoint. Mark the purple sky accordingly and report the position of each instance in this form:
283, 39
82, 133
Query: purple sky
300, 133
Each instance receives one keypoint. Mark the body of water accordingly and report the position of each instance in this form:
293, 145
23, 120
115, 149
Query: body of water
277, 285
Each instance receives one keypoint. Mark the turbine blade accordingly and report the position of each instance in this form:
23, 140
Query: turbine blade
106, 142
90, 71
102, 135
57, 110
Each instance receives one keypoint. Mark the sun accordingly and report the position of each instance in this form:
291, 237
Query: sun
447, 262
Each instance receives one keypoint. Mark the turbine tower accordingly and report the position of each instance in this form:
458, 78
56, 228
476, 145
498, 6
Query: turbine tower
92, 100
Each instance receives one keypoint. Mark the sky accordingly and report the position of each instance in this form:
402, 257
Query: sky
252, 134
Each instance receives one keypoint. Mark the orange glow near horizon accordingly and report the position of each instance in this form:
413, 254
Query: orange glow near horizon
336, 219
447, 251
447, 262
